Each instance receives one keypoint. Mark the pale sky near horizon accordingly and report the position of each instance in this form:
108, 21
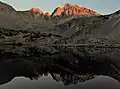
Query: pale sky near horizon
101, 6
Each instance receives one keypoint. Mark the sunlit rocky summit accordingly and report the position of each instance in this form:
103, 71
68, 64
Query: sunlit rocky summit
70, 9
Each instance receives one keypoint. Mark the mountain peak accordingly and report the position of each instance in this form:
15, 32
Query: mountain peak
67, 4
70, 9
70, 5
47, 14
36, 10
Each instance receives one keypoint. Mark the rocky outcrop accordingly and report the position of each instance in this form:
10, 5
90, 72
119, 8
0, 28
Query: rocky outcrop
70, 9
47, 14
58, 11
36, 11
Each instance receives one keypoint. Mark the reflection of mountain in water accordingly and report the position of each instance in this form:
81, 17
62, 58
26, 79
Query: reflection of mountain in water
72, 78
65, 67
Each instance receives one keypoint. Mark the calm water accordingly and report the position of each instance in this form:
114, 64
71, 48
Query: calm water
66, 71
47, 82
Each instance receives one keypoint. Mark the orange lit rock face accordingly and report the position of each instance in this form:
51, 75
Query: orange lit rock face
58, 11
36, 10
69, 9
47, 14
57, 76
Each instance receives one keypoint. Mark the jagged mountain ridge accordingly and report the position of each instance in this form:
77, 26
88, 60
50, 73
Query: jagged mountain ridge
70, 9
29, 19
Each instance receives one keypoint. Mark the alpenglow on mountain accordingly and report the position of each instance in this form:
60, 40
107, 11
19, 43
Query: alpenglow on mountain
70, 9
67, 9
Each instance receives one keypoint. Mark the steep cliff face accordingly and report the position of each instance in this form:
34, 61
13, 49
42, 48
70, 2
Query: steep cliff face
58, 11
70, 9
36, 11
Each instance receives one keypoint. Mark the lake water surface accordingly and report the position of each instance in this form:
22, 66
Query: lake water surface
66, 71
47, 82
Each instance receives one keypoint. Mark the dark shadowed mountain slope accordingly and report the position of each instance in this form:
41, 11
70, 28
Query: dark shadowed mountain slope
6, 8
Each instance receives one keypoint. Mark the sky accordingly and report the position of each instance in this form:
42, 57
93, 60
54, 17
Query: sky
100, 6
